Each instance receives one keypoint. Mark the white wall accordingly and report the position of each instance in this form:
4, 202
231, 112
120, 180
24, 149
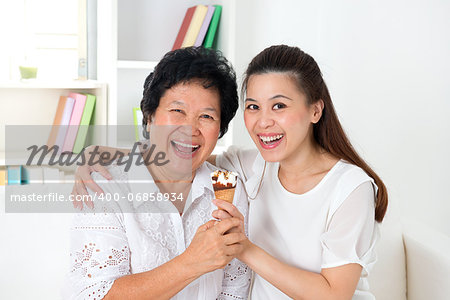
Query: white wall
386, 64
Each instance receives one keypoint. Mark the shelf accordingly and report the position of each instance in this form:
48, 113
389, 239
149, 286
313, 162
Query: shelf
21, 158
37, 84
136, 64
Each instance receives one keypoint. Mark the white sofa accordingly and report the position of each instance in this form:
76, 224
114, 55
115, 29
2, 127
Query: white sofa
413, 262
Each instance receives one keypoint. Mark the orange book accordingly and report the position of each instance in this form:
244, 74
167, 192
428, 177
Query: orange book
57, 121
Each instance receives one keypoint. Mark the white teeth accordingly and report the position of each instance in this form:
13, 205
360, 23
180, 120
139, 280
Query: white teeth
272, 138
186, 145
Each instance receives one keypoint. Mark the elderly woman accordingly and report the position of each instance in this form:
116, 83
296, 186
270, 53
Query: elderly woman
167, 249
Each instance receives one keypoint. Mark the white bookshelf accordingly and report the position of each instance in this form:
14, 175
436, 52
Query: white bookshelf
32, 103
133, 36
136, 64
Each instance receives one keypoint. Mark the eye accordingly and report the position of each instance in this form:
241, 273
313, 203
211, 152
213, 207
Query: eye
206, 117
177, 110
279, 106
252, 107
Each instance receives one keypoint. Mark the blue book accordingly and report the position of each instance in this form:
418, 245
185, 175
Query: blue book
14, 175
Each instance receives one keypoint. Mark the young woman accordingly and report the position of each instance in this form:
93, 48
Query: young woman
314, 203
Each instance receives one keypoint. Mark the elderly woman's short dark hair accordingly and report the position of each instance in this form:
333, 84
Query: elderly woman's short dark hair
208, 66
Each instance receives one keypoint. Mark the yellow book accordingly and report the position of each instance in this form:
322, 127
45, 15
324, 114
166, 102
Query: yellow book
3, 176
195, 25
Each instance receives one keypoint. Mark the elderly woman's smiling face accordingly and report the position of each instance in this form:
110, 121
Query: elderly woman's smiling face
195, 113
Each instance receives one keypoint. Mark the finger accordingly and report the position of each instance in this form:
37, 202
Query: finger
88, 201
221, 214
102, 170
92, 185
206, 226
226, 224
74, 202
233, 238
228, 207
80, 187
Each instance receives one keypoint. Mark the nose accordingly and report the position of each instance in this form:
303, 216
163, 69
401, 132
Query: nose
191, 127
266, 119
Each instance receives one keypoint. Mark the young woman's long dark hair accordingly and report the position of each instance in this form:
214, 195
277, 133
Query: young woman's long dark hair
328, 132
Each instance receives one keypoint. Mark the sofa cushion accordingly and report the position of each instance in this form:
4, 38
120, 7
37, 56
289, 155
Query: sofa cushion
388, 277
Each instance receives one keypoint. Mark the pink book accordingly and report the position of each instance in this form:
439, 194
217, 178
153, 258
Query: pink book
65, 120
205, 25
77, 113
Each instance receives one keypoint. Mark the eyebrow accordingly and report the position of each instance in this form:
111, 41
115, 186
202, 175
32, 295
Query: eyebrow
177, 102
271, 98
181, 103
210, 109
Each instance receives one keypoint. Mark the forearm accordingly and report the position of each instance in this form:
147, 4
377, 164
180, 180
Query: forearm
294, 282
162, 282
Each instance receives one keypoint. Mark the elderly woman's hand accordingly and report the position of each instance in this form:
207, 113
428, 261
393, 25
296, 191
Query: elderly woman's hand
211, 248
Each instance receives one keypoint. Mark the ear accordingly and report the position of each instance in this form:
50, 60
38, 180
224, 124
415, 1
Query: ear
316, 111
149, 123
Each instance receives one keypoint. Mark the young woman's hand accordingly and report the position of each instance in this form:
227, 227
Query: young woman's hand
212, 248
228, 210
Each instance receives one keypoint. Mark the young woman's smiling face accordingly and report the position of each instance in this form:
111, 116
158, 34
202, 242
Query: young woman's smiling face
278, 117
194, 113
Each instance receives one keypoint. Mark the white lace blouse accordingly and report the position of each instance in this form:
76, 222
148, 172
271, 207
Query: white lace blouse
125, 237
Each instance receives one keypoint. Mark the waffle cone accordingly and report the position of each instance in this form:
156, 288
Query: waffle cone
225, 194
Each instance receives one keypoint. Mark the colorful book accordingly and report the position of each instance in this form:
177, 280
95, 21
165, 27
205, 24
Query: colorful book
84, 123
205, 26
14, 175
77, 113
194, 27
3, 176
211, 34
57, 121
184, 27
65, 120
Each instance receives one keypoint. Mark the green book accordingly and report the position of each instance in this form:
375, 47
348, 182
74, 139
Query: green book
211, 34
84, 123
137, 117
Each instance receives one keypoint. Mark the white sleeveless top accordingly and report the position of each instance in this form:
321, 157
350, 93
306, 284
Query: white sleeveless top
331, 225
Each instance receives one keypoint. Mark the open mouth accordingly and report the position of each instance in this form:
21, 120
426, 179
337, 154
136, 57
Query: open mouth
270, 140
186, 150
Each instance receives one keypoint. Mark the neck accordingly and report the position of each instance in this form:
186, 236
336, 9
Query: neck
170, 181
302, 161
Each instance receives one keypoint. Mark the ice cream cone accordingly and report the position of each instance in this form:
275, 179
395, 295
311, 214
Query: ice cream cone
225, 194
